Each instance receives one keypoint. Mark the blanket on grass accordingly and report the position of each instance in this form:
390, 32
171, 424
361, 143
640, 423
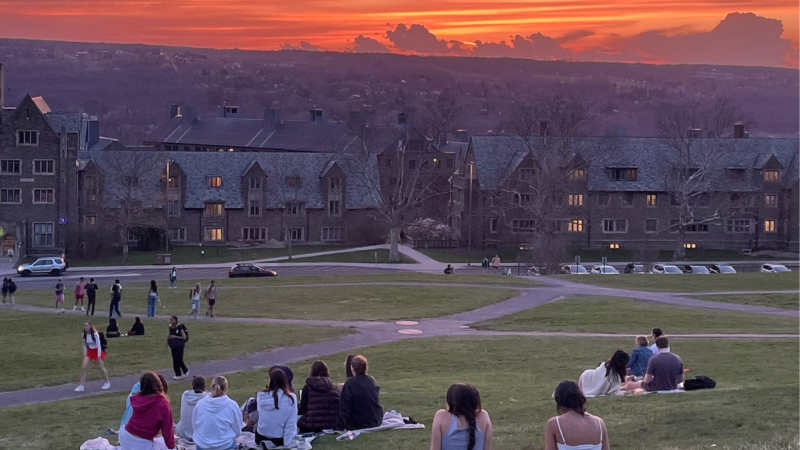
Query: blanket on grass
392, 420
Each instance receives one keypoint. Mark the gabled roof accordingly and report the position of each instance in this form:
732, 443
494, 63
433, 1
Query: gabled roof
496, 158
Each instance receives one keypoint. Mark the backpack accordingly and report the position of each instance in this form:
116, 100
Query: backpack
103, 342
699, 382
186, 332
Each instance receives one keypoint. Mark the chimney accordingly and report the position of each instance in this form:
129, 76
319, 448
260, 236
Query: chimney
230, 111
174, 110
543, 128
188, 115
462, 135
272, 118
92, 132
318, 115
442, 139
402, 118
738, 130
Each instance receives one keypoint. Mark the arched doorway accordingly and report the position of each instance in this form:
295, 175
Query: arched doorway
9, 242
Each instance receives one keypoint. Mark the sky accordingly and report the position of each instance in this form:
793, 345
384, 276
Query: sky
743, 32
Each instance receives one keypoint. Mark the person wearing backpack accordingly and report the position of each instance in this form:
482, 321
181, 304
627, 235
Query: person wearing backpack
91, 296
12, 288
94, 349
177, 338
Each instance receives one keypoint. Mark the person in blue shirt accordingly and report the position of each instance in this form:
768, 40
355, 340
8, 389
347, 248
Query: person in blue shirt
639, 357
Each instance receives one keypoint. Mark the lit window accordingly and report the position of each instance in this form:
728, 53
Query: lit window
437, 163
652, 200
213, 209
613, 246
90, 221
213, 234
214, 182
575, 226
771, 175
575, 199
690, 245
577, 174
769, 226
770, 200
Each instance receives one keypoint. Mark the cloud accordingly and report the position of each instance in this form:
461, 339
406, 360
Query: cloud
305, 46
574, 36
416, 38
365, 44
535, 46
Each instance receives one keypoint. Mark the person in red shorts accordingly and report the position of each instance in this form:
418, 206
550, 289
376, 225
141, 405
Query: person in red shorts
80, 291
92, 351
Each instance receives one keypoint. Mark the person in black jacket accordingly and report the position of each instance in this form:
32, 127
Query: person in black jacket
360, 405
319, 401
137, 329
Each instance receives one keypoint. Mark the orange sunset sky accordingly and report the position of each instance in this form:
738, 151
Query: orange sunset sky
574, 25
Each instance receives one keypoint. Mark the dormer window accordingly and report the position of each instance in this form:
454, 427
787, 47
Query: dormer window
214, 182
617, 174
772, 175
578, 174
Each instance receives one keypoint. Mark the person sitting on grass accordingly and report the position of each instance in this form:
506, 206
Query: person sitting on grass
664, 371
277, 411
607, 378
360, 405
189, 399
464, 425
574, 428
319, 401
112, 330
137, 329
639, 357
448, 270
151, 414
657, 333
217, 420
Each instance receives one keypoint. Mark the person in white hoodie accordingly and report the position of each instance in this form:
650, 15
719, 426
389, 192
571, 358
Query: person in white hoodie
217, 419
277, 411
189, 399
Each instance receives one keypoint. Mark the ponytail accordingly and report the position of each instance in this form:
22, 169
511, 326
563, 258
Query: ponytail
465, 401
219, 386
472, 422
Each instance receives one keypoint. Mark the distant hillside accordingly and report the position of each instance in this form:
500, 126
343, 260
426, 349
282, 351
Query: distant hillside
131, 86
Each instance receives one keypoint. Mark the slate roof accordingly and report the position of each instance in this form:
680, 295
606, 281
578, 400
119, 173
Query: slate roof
231, 167
497, 156
70, 121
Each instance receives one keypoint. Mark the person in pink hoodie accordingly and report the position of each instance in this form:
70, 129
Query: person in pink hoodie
151, 414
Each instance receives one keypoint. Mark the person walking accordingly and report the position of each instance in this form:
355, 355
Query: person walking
176, 341
12, 288
152, 299
496, 263
11, 254
194, 294
211, 296
80, 292
92, 351
60, 296
5, 289
117, 284
91, 296
173, 278
116, 297
485, 264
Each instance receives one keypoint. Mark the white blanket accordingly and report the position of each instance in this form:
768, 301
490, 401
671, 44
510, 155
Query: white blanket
392, 420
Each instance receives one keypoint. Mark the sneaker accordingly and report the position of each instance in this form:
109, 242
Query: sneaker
106, 386
79, 388
83, 309
74, 307
177, 377
186, 375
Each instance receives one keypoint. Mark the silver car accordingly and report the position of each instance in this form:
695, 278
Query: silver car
774, 268
605, 270
667, 269
48, 265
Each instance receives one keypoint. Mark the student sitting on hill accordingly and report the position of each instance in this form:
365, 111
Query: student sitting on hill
448, 270
137, 329
112, 330
217, 420
360, 405
607, 378
639, 357
574, 428
277, 411
189, 399
464, 425
664, 371
319, 401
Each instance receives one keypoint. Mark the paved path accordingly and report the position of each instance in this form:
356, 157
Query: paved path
370, 333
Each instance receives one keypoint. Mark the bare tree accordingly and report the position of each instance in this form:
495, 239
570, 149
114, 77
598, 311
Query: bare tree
288, 195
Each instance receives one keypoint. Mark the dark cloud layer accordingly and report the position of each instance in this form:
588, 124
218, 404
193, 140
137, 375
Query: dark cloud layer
365, 44
303, 46
416, 38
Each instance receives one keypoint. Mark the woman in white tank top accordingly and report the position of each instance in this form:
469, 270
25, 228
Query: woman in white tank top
573, 428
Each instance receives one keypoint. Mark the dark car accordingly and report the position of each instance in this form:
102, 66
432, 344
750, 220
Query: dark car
721, 268
697, 270
250, 270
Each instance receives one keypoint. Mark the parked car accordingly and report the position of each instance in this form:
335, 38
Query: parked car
721, 268
666, 269
605, 270
250, 270
697, 270
634, 268
774, 268
574, 269
46, 265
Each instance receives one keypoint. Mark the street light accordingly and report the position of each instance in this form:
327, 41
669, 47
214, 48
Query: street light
469, 237
167, 201
521, 247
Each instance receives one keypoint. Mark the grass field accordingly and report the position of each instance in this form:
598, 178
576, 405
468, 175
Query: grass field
598, 314
756, 399
305, 302
361, 256
784, 301
460, 255
695, 283
44, 349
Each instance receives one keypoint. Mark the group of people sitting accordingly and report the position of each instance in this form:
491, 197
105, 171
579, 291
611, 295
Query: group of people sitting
650, 368
112, 330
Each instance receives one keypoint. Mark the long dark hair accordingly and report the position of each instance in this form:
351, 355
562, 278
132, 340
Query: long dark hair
278, 382
93, 332
347, 370
569, 397
151, 384
320, 369
617, 366
153, 287
465, 401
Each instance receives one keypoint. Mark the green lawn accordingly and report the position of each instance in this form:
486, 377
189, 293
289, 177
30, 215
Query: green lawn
361, 256
306, 302
784, 301
45, 349
597, 314
460, 255
695, 283
756, 399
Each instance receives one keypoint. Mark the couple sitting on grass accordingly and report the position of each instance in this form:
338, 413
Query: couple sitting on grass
662, 371
112, 330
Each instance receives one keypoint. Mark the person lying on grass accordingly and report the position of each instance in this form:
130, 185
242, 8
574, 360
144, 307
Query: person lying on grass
607, 378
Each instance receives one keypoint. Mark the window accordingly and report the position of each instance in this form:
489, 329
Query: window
603, 199
522, 226
132, 181
627, 199
622, 174
335, 185
214, 182
575, 199
213, 234
255, 184
772, 175
651, 226
737, 226
10, 167
332, 234
575, 226
10, 195
578, 174
174, 208
177, 234
437, 163
174, 183
494, 223
526, 199
254, 234
90, 221
43, 234
697, 228
735, 200
652, 200
516, 199
27, 138
44, 196
334, 208
294, 182
412, 164
526, 174
44, 167
615, 225
132, 237
449, 163
769, 226
296, 234
254, 208
213, 209
90, 187
294, 209
771, 201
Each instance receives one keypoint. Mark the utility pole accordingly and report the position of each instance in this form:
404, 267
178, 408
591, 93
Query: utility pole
168, 203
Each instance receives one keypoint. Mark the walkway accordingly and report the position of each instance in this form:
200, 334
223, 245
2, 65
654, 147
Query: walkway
370, 333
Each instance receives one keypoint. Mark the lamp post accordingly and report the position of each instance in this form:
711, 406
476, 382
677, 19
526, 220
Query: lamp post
469, 237
518, 265
166, 221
